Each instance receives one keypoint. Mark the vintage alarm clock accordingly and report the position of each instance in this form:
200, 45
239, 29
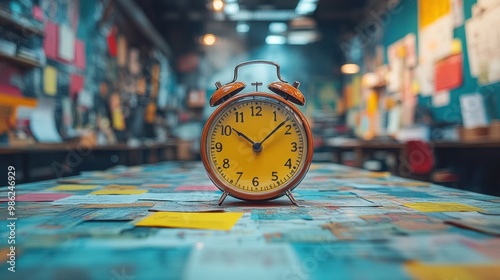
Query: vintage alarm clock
258, 145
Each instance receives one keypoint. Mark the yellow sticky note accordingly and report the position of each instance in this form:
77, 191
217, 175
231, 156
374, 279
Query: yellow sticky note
50, 80
215, 221
118, 191
464, 271
120, 187
441, 207
74, 187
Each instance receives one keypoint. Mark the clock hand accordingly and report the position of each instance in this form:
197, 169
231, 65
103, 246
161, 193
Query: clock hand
244, 136
275, 129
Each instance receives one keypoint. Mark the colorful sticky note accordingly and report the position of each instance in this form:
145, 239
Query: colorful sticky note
37, 13
74, 187
448, 73
449, 271
111, 39
441, 207
66, 50
39, 197
214, 221
50, 80
80, 54
118, 191
75, 85
50, 39
197, 188
120, 187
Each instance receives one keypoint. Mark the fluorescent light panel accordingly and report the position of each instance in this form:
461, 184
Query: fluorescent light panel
275, 40
242, 27
306, 7
277, 27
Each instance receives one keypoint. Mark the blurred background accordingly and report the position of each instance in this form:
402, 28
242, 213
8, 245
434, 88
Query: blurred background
400, 86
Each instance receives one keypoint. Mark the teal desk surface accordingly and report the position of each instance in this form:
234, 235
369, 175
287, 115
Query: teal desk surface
162, 221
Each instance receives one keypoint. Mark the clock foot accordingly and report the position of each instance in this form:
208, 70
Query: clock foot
292, 199
222, 197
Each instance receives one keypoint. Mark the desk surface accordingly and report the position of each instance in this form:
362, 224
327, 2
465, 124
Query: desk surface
352, 144
351, 224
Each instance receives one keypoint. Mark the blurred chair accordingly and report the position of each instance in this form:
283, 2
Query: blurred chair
420, 160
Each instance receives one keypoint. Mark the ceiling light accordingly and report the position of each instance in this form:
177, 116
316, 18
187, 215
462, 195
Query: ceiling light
232, 8
305, 7
303, 37
349, 68
218, 5
242, 27
209, 39
277, 27
275, 40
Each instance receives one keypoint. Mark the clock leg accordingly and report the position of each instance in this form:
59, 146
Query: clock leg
292, 199
222, 197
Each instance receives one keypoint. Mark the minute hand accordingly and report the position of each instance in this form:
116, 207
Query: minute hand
274, 130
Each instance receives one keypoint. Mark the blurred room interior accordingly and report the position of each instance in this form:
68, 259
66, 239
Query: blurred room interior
88, 85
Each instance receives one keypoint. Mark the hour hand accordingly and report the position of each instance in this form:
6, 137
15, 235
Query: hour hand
244, 136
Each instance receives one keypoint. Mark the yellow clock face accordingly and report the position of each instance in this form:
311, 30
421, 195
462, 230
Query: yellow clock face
256, 146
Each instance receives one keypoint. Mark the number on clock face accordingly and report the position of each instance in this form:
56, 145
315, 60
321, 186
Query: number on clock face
256, 144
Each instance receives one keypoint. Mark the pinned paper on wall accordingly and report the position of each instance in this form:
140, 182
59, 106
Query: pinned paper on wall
448, 73
37, 13
75, 85
431, 10
66, 49
435, 43
134, 65
80, 54
441, 99
43, 122
111, 40
50, 80
473, 110
121, 50
483, 42
50, 40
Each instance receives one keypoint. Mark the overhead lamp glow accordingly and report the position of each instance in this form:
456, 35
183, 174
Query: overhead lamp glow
232, 8
242, 27
209, 39
277, 27
305, 7
349, 68
218, 5
303, 37
275, 40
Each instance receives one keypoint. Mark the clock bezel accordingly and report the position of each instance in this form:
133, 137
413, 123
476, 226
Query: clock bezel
256, 196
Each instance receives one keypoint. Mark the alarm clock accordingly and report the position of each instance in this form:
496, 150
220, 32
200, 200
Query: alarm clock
257, 146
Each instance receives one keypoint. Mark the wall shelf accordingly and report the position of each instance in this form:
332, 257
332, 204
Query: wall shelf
8, 18
20, 61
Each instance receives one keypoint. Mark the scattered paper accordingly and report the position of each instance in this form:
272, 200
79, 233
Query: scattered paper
214, 221
74, 187
441, 207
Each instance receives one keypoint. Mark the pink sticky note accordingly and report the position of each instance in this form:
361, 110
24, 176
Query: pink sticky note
197, 188
39, 197
75, 84
38, 13
79, 54
50, 40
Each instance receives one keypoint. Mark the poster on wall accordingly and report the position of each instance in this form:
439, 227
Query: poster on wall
435, 43
483, 42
